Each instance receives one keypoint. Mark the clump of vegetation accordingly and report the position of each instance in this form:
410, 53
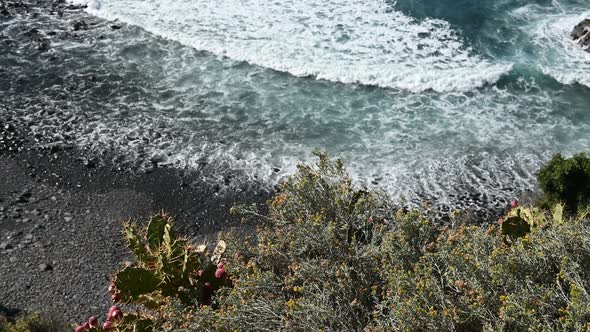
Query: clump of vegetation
32, 323
328, 256
167, 272
566, 181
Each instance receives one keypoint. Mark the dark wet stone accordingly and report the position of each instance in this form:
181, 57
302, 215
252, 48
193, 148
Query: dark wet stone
43, 47
24, 197
45, 267
79, 25
581, 33
90, 163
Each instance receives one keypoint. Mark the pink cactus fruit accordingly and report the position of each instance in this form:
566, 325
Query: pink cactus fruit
115, 297
113, 308
93, 322
115, 313
200, 273
112, 288
79, 328
107, 325
513, 204
220, 273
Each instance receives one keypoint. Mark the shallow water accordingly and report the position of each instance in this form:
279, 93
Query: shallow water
422, 99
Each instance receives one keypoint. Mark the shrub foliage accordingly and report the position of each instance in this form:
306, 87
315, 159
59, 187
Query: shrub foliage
567, 181
330, 257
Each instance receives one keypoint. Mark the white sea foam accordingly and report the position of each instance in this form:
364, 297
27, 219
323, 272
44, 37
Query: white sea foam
559, 56
228, 115
347, 41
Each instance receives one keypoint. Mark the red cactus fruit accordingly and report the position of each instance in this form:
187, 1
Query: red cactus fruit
220, 265
220, 273
116, 314
93, 322
113, 308
112, 288
107, 325
514, 204
206, 293
200, 272
80, 328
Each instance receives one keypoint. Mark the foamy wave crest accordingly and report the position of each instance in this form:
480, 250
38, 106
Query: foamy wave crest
347, 41
561, 57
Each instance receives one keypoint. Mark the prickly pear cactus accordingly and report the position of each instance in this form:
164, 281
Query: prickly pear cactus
167, 266
522, 220
515, 226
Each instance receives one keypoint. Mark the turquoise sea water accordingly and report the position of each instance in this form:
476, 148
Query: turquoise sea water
421, 98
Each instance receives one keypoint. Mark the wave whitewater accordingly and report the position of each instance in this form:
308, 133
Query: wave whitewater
358, 41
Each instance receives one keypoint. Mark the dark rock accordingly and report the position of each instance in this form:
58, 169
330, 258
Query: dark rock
116, 26
76, 7
43, 47
90, 163
45, 267
79, 25
5, 246
24, 197
581, 34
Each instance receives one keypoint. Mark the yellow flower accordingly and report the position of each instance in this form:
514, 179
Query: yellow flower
290, 303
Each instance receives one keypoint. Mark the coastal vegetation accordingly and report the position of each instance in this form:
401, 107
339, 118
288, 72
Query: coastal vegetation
330, 256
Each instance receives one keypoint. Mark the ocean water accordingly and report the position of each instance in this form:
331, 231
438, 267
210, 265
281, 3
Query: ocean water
421, 98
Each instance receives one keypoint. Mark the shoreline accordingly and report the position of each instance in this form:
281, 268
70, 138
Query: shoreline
61, 207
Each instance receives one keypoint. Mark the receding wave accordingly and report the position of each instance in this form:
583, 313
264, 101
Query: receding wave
347, 41
557, 55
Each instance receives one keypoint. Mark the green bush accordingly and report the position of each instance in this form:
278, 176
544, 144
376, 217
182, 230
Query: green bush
567, 181
330, 257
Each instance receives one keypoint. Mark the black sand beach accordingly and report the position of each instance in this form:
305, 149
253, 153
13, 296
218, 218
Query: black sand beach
60, 224
61, 208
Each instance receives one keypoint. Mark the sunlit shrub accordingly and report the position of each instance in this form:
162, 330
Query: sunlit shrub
331, 257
